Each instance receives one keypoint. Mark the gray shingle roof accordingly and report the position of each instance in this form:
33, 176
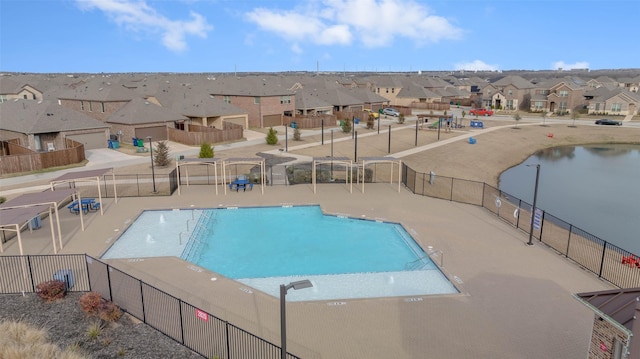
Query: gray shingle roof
140, 111
33, 117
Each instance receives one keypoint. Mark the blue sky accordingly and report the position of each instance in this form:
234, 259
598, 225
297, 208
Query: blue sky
309, 35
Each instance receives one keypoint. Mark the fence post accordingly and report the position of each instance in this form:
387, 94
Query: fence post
542, 225
226, 335
86, 264
568, 241
144, 315
181, 321
604, 250
518, 217
451, 191
33, 285
109, 282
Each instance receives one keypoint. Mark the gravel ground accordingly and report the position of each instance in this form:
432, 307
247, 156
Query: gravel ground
68, 325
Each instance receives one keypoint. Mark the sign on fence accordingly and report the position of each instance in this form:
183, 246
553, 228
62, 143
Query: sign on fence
202, 315
537, 219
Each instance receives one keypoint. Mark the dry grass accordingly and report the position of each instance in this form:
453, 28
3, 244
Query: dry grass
19, 340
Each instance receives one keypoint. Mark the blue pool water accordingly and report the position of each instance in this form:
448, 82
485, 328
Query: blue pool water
265, 247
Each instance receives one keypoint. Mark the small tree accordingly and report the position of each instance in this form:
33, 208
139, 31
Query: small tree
463, 113
346, 125
371, 121
206, 151
272, 137
517, 117
296, 134
574, 116
401, 118
544, 117
161, 154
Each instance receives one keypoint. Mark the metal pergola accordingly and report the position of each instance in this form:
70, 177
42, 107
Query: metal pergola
198, 161
373, 160
256, 161
346, 161
86, 176
18, 212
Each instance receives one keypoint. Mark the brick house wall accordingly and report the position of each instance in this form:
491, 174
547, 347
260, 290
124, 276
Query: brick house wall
93, 109
573, 99
603, 339
268, 105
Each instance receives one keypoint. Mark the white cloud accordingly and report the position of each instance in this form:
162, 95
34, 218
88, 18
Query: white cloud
564, 66
137, 16
374, 23
476, 65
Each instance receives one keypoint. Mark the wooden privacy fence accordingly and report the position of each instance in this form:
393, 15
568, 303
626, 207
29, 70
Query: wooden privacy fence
198, 135
437, 106
304, 121
22, 159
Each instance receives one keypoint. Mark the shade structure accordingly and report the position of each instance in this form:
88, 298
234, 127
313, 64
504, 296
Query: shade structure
18, 212
256, 161
197, 161
86, 176
364, 161
346, 161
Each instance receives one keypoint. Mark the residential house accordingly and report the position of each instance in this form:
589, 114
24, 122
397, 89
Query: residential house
263, 98
44, 125
11, 89
565, 97
140, 118
512, 93
613, 102
616, 324
309, 102
96, 97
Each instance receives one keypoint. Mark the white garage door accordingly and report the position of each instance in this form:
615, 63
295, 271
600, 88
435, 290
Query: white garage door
91, 141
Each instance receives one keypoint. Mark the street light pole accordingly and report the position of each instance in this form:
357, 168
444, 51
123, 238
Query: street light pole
153, 173
535, 198
283, 317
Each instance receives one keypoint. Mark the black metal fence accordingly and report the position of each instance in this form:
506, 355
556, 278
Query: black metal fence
190, 326
597, 255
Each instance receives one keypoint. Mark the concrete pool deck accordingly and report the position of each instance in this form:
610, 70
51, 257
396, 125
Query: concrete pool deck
515, 302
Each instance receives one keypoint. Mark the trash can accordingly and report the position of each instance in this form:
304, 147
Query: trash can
135, 141
65, 276
35, 223
356, 121
115, 144
341, 123
140, 142
110, 143
293, 125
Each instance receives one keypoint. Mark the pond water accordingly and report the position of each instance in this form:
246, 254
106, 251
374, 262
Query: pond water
595, 188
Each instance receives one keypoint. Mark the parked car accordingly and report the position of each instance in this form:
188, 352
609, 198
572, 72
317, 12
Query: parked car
370, 112
481, 112
391, 112
606, 121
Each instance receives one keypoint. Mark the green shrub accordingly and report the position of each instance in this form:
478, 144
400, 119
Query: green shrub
51, 290
272, 137
206, 151
161, 154
296, 134
346, 125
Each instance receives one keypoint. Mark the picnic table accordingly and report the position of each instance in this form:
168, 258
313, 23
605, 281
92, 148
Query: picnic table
88, 204
242, 182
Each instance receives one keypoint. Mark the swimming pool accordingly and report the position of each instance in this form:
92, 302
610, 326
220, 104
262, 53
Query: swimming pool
264, 247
